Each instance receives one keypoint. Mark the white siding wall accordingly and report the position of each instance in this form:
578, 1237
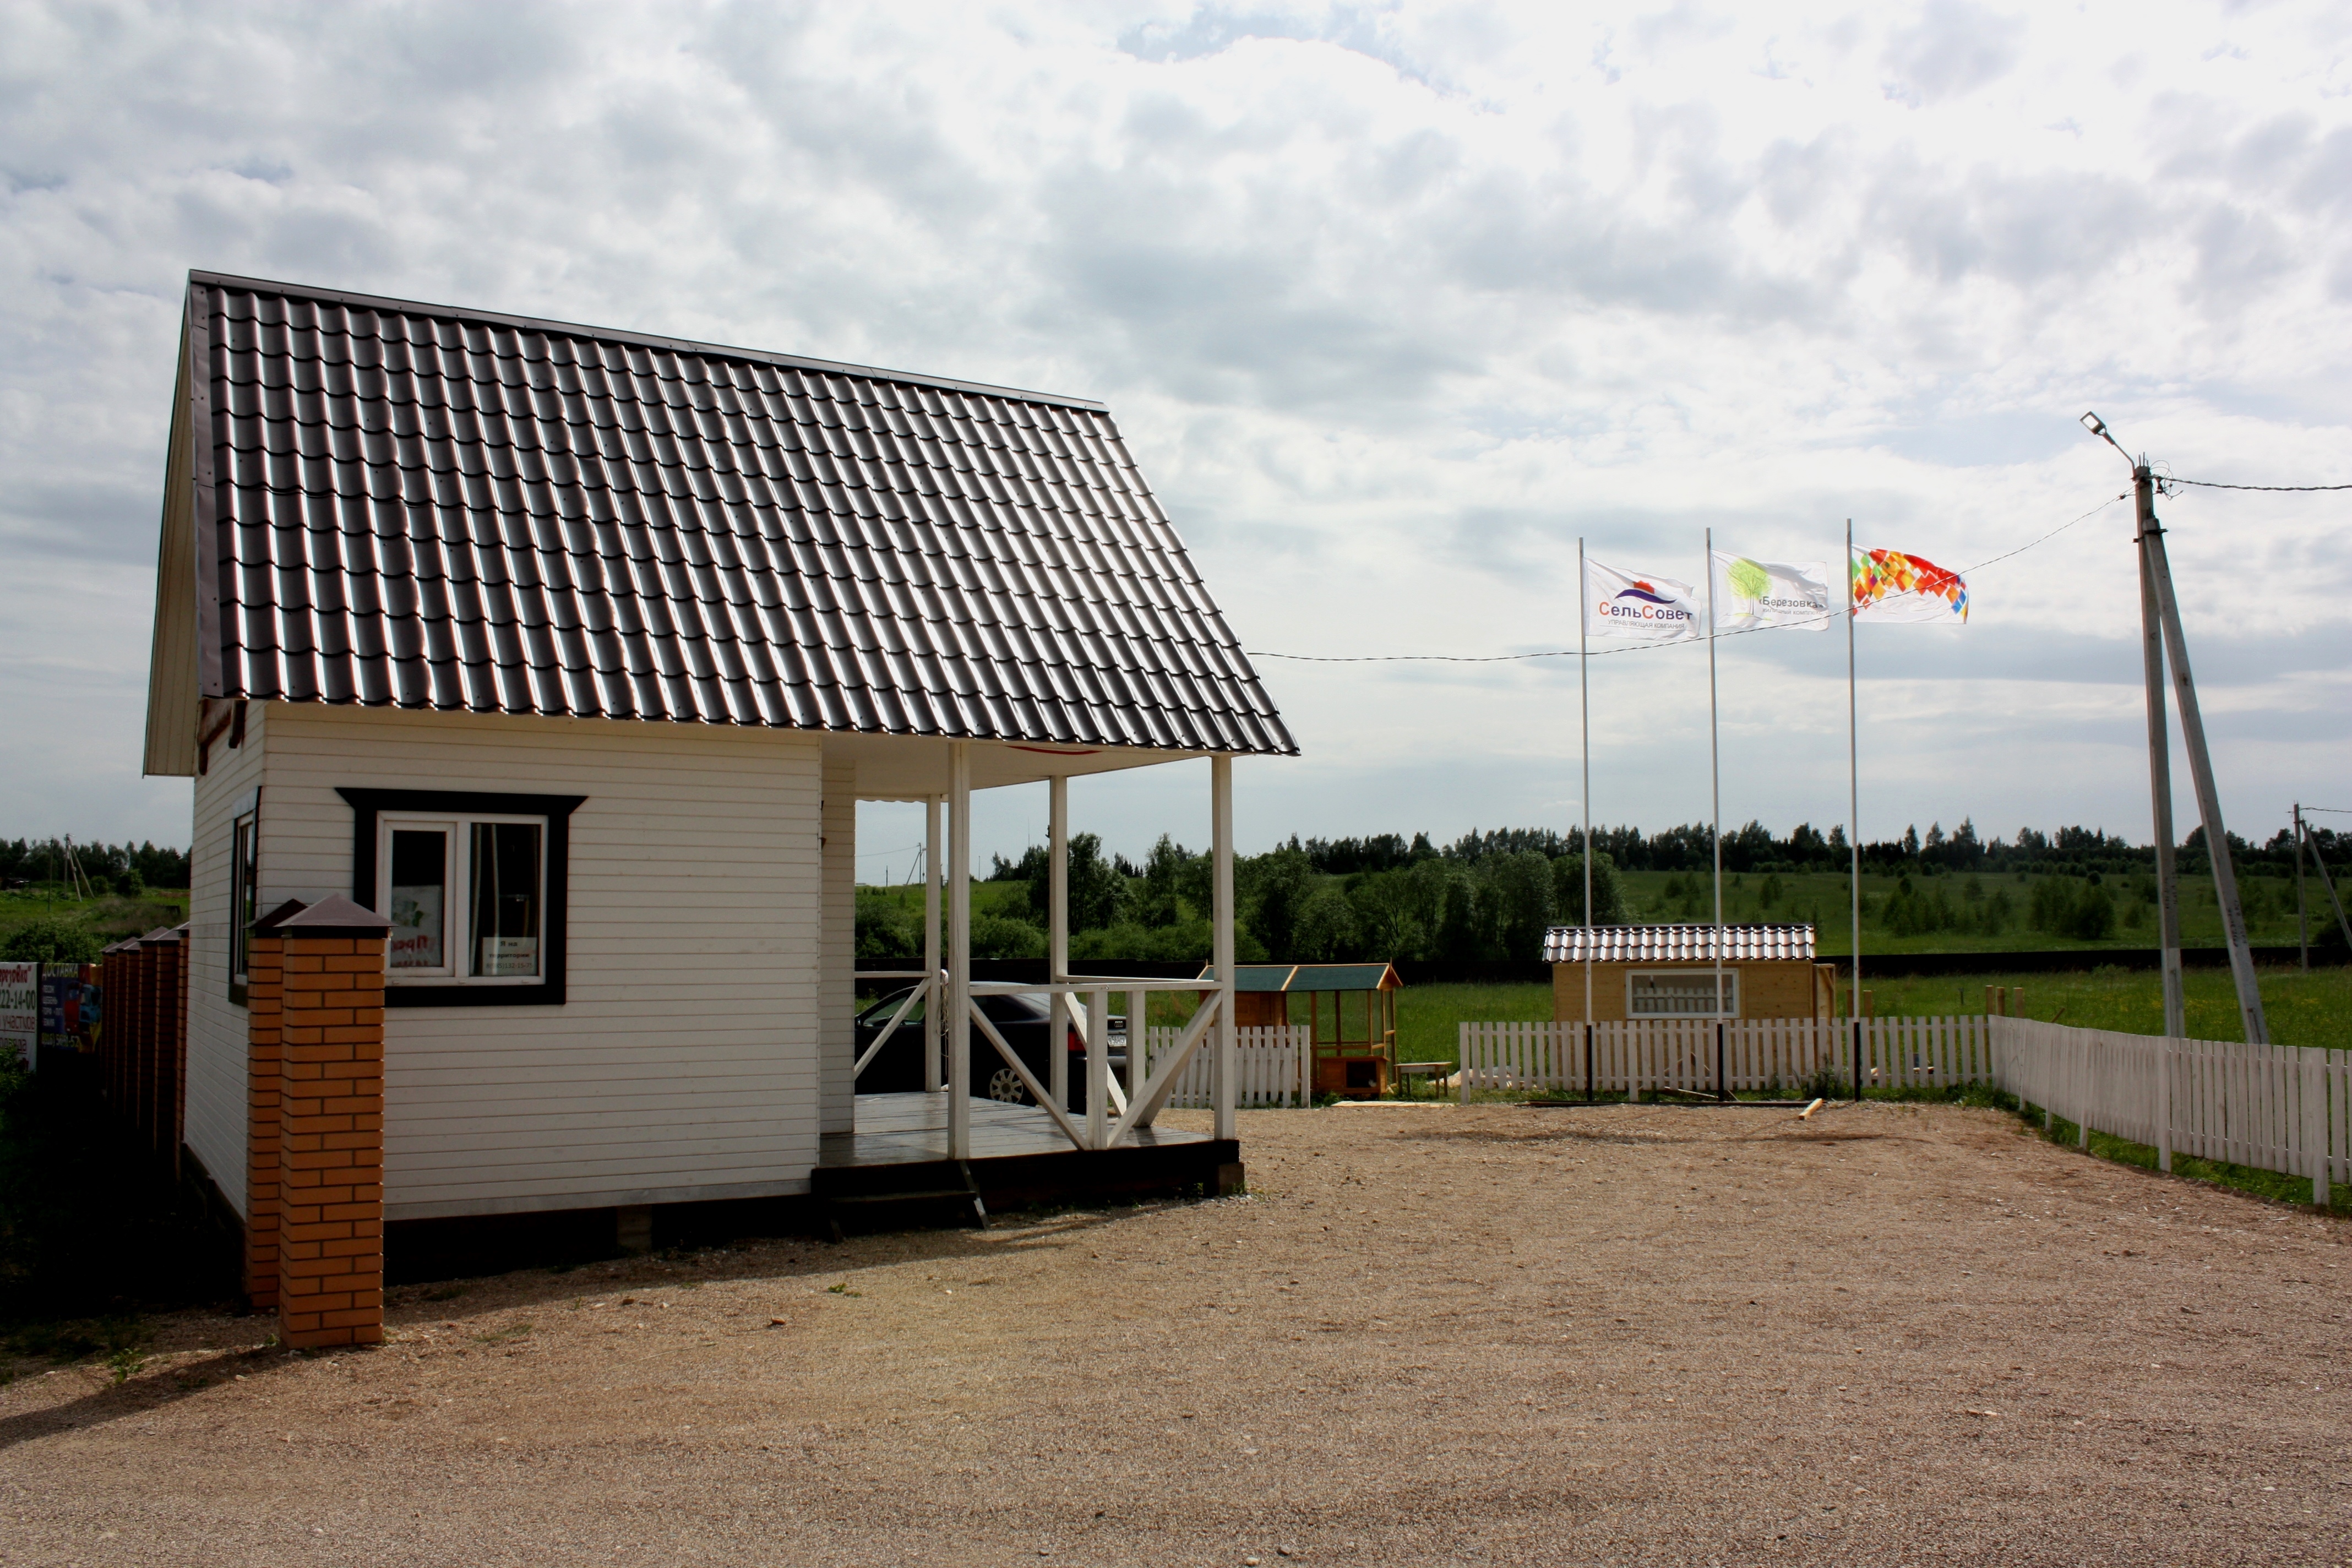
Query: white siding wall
215, 1087
685, 1063
838, 1096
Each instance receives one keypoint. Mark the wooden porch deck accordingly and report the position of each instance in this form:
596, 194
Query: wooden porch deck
898, 1157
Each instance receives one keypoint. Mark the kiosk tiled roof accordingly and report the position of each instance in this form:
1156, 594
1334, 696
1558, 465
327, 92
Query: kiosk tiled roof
1675, 943
417, 506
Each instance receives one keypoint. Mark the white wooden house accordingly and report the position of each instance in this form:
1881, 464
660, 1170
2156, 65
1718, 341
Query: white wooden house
572, 651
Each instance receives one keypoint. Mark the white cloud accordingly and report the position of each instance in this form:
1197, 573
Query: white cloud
1393, 303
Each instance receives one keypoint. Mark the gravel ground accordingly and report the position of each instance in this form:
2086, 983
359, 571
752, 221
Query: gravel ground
1429, 1336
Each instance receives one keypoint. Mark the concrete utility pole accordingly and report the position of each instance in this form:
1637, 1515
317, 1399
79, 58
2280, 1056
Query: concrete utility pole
2302, 911
2158, 584
2159, 761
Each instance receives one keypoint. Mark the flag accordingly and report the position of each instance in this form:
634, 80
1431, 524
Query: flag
1752, 594
1888, 585
1639, 608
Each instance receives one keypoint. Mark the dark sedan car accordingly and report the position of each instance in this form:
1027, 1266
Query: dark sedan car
897, 1068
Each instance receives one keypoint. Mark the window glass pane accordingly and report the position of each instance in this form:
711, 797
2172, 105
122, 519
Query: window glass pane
242, 888
1682, 994
503, 866
420, 875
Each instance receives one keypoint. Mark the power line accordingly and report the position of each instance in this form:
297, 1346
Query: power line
2212, 485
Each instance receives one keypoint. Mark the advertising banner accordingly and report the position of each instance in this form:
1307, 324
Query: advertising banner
1750, 594
1626, 606
1889, 586
20, 1012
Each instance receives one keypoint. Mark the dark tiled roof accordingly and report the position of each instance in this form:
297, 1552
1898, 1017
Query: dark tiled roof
422, 507
1675, 943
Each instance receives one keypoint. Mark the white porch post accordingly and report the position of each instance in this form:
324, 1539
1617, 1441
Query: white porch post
934, 1000
958, 1010
1057, 936
1221, 833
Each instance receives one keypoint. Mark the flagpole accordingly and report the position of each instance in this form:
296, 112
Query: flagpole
1853, 802
1715, 776
1584, 723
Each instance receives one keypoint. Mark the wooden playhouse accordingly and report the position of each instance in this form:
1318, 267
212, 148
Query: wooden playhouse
1669, 971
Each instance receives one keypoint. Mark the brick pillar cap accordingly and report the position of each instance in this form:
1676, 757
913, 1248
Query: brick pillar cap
268, 924
160, 934
337, 916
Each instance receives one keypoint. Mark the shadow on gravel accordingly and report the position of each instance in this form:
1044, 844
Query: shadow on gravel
137, 1395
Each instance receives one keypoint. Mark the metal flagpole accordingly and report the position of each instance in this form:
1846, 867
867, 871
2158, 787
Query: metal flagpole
1715, 783
1853, 804
2159, 763
2209, 798
1584, 723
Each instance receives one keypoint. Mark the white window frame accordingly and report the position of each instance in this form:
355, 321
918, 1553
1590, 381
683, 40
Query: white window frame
457, 894
1695, 977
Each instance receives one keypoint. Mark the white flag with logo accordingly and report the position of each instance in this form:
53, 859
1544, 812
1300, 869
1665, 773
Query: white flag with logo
1892, 586
1750, 594
1639, 606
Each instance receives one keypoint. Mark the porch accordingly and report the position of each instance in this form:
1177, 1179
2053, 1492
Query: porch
900, 1158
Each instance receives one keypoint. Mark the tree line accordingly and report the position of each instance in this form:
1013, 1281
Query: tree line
1489, 896
126, 868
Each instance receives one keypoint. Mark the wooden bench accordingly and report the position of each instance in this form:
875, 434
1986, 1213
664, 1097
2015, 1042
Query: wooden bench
1408, 1071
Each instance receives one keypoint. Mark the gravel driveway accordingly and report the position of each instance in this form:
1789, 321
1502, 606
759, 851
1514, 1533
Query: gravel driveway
1429, 1335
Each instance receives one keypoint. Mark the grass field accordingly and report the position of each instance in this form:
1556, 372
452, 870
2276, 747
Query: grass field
1822, 897
2312, 1009
108, 917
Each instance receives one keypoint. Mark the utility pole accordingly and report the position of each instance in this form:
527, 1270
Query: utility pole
2302, 913
2159, 760
2209, 798
2159, 570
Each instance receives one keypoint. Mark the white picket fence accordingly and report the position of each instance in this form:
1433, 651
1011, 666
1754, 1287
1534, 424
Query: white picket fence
1757, 1054
1270, 1066
2275, 1108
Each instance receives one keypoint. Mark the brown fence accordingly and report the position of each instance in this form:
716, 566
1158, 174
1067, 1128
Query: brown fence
142, 1038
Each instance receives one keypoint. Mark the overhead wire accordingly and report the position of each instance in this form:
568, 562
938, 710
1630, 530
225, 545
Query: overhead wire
2214, 485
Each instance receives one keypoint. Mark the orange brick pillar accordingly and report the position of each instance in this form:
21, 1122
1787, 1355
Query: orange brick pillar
330, 1126
262, 1067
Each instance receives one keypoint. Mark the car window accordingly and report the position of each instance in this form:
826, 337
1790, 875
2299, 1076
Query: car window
880, 1012
1013, 1009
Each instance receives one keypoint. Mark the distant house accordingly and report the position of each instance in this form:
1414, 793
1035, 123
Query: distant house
1669, 971
571, 652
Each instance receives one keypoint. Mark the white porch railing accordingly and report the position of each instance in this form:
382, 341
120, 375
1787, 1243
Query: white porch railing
1271, 1067
1112, 1110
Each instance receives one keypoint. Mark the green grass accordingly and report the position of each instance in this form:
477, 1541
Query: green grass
2312, 1009
1822, 897
107, 916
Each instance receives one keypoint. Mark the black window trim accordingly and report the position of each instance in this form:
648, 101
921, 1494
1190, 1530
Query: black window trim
240, 935
368, 804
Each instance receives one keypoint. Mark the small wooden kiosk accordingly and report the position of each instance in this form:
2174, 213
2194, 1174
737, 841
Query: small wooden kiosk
1668, 972
1355, 1041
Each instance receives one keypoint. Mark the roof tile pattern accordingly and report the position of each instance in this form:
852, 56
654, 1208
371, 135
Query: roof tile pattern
1675, 943
419, 507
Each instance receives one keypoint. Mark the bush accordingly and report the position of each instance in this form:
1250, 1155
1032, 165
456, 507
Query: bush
50, 941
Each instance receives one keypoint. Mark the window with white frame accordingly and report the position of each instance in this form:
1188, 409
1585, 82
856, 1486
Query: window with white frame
465, 895
474, 884
1681, 994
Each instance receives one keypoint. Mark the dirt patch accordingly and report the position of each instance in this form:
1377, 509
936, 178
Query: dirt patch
1475, 1336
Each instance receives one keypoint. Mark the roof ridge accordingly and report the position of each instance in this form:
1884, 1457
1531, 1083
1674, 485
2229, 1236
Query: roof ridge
641, 340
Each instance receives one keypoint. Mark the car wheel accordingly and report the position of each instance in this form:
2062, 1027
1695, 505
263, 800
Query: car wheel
1005, 1084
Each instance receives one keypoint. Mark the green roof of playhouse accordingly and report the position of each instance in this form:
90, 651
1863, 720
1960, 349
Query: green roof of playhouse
1311, 976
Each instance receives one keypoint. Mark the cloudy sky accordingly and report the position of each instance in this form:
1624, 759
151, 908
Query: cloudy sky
1393, 303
